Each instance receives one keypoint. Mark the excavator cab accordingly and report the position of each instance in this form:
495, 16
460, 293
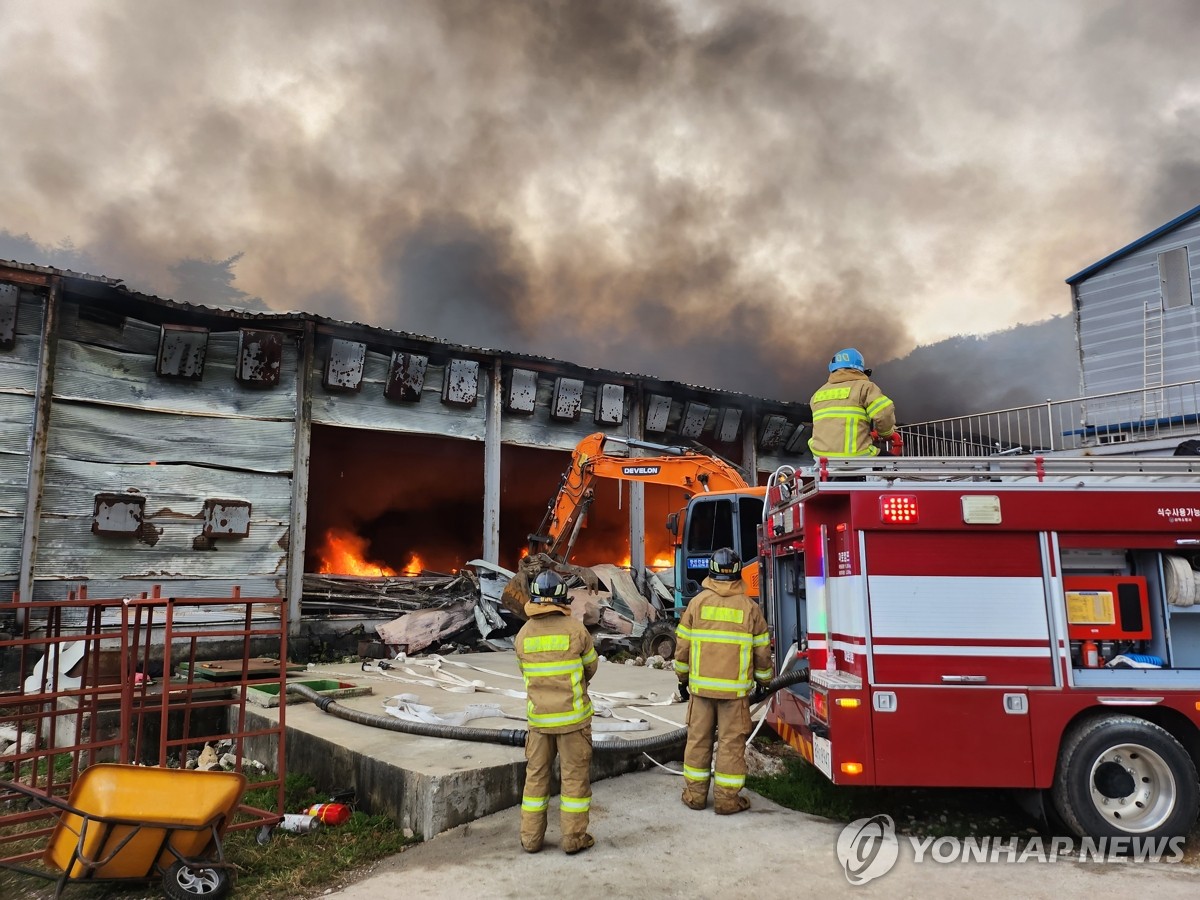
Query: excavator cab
709, 522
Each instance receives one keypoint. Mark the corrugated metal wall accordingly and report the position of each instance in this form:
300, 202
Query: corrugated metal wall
1111, 306
118, 427
18, 383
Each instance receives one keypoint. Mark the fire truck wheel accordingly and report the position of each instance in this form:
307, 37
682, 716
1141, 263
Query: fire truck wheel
1121, 776
659, 640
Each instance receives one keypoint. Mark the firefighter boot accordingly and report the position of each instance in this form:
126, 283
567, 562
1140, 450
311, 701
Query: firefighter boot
693, 799
728, 803
577, 843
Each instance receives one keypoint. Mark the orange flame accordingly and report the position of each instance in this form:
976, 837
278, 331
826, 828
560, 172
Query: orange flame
414, 567
345, 553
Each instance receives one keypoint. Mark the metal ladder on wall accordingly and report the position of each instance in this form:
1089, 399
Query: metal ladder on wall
1152, 358
1129, 470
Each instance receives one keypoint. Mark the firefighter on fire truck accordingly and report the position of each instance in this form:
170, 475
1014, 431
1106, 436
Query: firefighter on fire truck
719, 633
557, 660
850, 411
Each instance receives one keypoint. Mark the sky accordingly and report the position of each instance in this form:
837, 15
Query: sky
719, 193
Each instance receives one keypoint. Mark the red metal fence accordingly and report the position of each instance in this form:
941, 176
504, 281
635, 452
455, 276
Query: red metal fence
127, 680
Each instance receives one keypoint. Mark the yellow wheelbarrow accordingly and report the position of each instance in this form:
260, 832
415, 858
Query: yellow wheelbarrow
138, 823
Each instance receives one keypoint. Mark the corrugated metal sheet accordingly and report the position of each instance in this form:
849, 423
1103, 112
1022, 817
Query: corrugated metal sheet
117, 427
1112, 306
368, 408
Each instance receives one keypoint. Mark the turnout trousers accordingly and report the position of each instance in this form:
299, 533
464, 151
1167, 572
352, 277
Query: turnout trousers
574, 752
730, 721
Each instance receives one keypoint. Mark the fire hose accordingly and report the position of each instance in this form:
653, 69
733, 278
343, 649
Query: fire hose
508, 737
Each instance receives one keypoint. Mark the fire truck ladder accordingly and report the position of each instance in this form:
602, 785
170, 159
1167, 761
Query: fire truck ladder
1126, 470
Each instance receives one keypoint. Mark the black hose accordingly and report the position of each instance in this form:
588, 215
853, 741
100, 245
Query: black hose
509, 737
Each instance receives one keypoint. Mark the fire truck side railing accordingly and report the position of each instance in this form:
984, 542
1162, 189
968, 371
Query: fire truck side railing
1172, 410
1124, 470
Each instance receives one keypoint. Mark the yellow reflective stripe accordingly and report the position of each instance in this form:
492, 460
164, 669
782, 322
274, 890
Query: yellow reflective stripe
534, 804
761, 640
546, 643
574, 804
721, 614
840, 412
881, 404
544, 669
729, 781
552, 720
588, 657
762, 674
695, 774
841, 393
683, 632
870, 451
682, 667
728, 685
705, 636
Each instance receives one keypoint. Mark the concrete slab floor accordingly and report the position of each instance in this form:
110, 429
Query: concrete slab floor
649, 845
433, 784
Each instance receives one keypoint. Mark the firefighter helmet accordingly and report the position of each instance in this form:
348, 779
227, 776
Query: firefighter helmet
548, 587
847, 359
725, 565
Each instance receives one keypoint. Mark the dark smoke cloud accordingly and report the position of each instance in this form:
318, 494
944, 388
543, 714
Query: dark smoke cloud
715, 192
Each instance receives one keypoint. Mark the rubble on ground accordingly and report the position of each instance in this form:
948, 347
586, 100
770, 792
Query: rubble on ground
482, 606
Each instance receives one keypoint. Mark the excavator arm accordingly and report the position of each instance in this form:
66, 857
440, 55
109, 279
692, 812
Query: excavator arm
680, 467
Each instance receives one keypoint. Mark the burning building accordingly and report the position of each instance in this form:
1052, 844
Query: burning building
152, 442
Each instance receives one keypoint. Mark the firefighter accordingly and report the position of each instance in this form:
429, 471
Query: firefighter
849, 410
557, 660
720, 632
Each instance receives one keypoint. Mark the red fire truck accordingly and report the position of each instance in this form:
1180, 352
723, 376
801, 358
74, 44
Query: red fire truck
1029, 623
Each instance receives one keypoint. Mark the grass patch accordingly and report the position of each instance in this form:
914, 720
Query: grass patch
957, 812
288, 867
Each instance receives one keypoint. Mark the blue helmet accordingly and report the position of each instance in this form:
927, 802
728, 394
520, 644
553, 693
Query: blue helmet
848, 359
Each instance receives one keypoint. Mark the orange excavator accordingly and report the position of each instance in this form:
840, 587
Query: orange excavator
723, 510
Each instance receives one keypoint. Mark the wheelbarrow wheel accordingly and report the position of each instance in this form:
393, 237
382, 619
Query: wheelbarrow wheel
181, 882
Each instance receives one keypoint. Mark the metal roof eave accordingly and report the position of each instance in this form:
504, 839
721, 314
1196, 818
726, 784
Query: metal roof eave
118, 288
1129, 248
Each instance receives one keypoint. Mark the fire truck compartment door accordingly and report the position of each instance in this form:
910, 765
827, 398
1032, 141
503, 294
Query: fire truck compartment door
953, 737
946, 610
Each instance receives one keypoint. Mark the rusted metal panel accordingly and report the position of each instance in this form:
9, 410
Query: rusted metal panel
460, 387
260, 357
729, 420
406, 376
10, 299
344, 370
798, 441
773, 432
118, 513
521, 393
226, 518
368, 408
127, 378
658, 413
181, 352
567, 399
610, 404
171, 544
695, 417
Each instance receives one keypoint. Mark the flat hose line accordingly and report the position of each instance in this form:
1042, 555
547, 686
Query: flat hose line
508, 737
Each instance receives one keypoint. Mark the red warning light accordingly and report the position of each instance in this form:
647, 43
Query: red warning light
898, 509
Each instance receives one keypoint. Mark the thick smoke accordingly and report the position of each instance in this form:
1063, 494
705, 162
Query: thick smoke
713, 192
